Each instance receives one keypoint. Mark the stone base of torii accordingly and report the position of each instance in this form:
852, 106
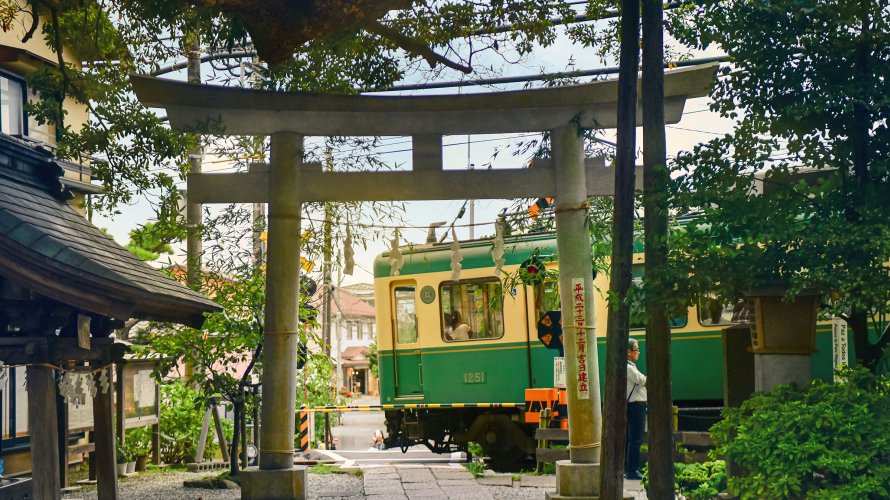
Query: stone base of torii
288, 117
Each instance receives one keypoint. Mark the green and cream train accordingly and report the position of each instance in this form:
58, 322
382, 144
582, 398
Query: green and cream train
456, 357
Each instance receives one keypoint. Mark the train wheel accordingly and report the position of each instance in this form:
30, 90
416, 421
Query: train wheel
503, 452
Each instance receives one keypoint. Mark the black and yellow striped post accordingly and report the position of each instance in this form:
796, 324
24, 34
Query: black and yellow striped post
304, 431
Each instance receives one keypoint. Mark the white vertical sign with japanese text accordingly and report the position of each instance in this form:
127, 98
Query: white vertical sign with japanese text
579, 319
559, 372
840, 353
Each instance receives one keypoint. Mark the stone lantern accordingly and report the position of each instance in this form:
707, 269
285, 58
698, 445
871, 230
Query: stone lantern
783, 335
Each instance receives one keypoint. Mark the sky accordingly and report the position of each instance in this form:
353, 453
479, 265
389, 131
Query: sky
697, 125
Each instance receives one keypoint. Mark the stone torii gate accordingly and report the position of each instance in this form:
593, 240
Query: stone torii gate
288, 181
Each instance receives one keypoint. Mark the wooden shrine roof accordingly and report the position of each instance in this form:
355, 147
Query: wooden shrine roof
48, 247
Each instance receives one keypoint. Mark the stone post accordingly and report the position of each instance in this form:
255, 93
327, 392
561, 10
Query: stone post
277, 478
579, 477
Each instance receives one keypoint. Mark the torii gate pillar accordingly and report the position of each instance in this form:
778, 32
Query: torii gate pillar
277, 478
579, 477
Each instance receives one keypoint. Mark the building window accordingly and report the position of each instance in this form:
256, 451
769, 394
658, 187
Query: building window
12, 114
472, 310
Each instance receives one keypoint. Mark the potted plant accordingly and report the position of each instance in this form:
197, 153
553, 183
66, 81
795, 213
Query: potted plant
122, 458
131, 459
140, 438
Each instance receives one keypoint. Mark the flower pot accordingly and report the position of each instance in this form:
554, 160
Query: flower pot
131, 467
121, 469
141, 463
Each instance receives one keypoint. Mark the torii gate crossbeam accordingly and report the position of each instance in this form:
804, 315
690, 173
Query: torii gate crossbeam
287, 182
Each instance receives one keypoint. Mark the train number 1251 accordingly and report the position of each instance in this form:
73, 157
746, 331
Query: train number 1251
474, 378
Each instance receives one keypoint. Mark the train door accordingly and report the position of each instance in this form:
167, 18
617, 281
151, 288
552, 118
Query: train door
407, 358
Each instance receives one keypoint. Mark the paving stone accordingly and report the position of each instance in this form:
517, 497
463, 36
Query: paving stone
386, 497
373, 481
389, 475
474, 492
456, 482
452, 474
371, 471
383, 491
538, 481
416, 476
420, 486
426, 494
495, 481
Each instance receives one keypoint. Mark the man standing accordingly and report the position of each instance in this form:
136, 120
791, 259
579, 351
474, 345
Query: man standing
636, 412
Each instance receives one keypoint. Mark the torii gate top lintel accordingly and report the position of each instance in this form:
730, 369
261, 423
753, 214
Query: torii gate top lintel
258, 112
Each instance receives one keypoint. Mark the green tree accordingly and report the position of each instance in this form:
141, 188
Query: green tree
809, 83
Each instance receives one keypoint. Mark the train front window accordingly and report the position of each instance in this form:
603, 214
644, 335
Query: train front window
472, 310
406, 314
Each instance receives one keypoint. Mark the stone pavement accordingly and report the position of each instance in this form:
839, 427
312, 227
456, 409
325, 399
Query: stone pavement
430, 482
422, 483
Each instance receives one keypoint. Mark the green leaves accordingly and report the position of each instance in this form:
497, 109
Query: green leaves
819, 440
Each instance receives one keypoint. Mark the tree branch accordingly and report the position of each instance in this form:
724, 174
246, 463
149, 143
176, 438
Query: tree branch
411, 46
34, 24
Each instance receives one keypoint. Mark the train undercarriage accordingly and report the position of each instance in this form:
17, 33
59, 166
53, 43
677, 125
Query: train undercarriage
501, 432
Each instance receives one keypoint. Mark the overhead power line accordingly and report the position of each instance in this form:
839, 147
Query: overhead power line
542, 76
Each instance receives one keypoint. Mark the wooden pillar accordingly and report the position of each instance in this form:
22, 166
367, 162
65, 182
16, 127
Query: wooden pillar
282, 303
106, 449
618, 330
655, 187
44, 433
156, 429
119, 402
576, 292
62, 433
91, 457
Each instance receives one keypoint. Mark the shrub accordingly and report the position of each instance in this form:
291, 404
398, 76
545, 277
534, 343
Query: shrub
476, 467
818, 441
182, 413
695, 481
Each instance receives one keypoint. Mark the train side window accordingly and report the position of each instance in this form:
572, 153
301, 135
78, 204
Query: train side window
712, 311
406, 314
472, 309
638, 271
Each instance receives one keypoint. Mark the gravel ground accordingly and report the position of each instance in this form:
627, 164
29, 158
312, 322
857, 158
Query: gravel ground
169, 487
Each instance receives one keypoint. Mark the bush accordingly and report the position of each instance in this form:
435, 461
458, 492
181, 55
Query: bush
139, 440
695, 481
819, 441
182, 413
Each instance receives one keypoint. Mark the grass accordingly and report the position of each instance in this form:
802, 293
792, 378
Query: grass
476, 468
334, 469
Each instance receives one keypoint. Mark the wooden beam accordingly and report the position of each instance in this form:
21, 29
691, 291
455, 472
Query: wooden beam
423, 183
44, 433
202, 440
223, 445
106, 449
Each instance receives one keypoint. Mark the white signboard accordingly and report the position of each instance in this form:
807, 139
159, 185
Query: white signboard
840, 344
578, 316
559, 372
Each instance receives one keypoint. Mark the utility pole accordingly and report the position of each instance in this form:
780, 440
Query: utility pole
618, 330
655, 189
328, 251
